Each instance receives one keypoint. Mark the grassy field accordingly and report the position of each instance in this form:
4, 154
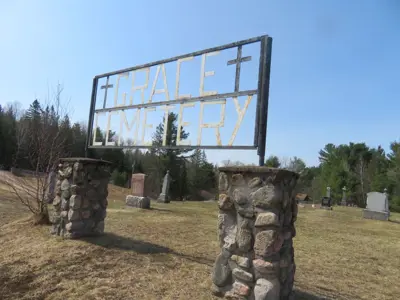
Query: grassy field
168, 253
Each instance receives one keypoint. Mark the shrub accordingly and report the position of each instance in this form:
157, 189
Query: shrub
119, 178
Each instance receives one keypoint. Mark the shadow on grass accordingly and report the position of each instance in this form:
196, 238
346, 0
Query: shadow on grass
112, 241
394, 221
301, 295
160, 209
333, 294
148, 209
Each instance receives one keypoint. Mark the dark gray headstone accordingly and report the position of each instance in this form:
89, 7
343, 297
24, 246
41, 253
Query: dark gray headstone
137, 201
326, 203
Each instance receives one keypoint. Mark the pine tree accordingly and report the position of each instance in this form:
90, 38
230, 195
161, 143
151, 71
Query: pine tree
79, 140
169, 159
34, 111
67, 135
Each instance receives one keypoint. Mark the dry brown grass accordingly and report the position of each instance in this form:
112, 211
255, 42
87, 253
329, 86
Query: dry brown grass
168, 252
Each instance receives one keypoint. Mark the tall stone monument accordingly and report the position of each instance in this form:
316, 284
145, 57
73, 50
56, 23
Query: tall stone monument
81, 197
164, 196
344, 197
257, 212
328, 192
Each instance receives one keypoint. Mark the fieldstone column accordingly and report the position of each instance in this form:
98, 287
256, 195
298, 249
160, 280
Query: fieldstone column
81, 197
257, 211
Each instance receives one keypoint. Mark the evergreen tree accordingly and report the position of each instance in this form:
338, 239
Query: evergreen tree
272, 162
26, 142
34, 111
394, 175
169, 159
78, 133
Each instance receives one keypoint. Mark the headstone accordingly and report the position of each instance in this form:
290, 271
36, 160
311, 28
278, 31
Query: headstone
137, 201
138, 182
377, 206
326, 203
164, 196
344, 197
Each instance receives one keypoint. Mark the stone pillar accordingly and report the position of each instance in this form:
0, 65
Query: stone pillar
81, 197
257, 211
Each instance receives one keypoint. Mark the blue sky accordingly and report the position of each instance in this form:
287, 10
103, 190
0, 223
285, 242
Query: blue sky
335, 73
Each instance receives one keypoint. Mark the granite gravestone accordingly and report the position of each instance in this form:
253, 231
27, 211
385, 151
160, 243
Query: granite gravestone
326, 201
164, 196
377, 206
138, 184
138, 202
138, 198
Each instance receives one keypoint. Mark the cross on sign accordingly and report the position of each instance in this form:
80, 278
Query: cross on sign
238, 61
106, 87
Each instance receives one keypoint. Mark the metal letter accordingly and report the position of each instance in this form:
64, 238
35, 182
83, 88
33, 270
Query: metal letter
95, 129
204, 74
146, 125
128, 126
141, 87
182, 124
108, 143
165, 89
241, 113
212, 125
126, 75
178, 73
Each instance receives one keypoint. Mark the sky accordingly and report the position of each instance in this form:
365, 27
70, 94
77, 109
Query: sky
335, 73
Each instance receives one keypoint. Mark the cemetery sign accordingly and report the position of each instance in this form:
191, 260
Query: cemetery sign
126, 115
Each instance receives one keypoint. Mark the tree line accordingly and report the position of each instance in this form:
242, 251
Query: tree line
356, 166
34, 139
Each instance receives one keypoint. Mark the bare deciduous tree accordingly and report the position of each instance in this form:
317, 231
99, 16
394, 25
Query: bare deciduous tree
285, 162
41, 142
231, 163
